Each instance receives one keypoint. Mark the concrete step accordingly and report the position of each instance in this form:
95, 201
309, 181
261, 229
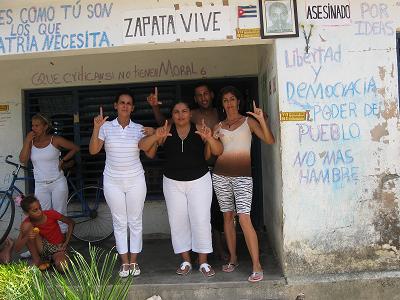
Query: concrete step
362, 286
268, 289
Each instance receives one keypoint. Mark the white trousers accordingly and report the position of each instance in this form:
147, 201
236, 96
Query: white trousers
188, 205
53, 195
125, 197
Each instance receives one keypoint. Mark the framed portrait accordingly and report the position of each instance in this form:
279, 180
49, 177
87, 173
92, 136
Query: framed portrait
278, 18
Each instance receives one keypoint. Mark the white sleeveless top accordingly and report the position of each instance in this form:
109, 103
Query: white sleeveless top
45, 163
235, 161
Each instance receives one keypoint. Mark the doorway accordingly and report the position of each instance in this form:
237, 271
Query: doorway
72, 110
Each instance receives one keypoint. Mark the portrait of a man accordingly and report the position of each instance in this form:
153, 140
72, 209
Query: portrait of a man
279, 18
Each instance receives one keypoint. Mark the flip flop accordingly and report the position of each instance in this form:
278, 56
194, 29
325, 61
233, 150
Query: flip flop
256, 276
184, 269
206, 270
229, 267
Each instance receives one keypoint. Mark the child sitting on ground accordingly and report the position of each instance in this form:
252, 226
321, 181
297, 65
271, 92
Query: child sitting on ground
41, 233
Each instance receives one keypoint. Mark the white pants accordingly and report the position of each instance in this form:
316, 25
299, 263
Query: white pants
53, 195
188, 205
125, 197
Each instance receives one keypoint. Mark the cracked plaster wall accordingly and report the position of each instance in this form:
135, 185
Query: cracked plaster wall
340, 168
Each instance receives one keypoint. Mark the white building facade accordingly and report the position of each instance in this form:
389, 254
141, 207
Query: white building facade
330, 185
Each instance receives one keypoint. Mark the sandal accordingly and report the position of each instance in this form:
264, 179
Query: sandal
184, 269
206, 270
256, 276
134, 269
123, 273
229, 267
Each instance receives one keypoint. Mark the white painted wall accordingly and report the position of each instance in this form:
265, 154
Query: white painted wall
350, 221
271, 155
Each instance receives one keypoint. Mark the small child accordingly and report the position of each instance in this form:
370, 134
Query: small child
41, 233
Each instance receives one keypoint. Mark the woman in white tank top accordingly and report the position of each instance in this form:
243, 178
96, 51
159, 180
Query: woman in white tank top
232, 179
43, 150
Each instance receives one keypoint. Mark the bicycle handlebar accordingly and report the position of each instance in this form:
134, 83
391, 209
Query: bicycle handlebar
13, 163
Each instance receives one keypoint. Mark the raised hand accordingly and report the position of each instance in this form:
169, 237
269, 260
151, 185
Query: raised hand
30, 137
162, 132
99, 120
147, 131
217, 133
257, 113
152, 99
204, 131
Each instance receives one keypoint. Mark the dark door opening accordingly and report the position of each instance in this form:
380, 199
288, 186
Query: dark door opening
398, 62
72, 111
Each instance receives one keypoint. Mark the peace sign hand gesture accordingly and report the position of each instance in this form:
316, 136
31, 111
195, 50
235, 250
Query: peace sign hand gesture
257, 113
162, 132
152, 99
204, 131
99, 120
217, 132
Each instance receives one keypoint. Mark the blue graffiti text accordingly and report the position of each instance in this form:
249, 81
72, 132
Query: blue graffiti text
306, 91
328, 175
328, 132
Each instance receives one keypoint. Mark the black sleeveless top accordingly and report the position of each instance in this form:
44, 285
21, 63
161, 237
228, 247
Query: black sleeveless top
184, 159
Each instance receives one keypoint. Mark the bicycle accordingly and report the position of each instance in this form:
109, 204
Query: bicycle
92, 216
87, 206
7, 197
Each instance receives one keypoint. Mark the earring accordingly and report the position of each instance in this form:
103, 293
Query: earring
238, 107
223, 110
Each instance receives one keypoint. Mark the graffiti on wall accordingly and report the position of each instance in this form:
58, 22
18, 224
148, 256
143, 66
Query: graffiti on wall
334, 129
339, 106
168, 25
87, 24
49, 28
327, 13
166, 68
375, 20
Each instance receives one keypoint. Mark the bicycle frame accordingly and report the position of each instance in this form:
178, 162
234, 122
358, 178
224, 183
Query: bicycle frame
85, 209
12, 188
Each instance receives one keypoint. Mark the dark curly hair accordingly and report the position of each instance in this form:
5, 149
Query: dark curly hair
27, 201
234, 91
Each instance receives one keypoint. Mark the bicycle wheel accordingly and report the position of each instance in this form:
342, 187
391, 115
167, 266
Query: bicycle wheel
92, 216
7, 213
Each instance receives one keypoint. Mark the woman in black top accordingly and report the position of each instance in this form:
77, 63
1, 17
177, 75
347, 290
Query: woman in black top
187, 184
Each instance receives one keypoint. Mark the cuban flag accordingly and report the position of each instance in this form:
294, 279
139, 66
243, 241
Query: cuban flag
249, 11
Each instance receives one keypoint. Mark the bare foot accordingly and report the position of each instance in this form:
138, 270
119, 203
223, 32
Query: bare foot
5, 254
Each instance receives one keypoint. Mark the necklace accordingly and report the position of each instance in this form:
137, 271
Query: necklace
233, 123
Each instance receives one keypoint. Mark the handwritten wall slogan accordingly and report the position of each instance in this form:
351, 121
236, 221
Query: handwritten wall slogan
330, 13
168, 25
84, 24
53, 27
